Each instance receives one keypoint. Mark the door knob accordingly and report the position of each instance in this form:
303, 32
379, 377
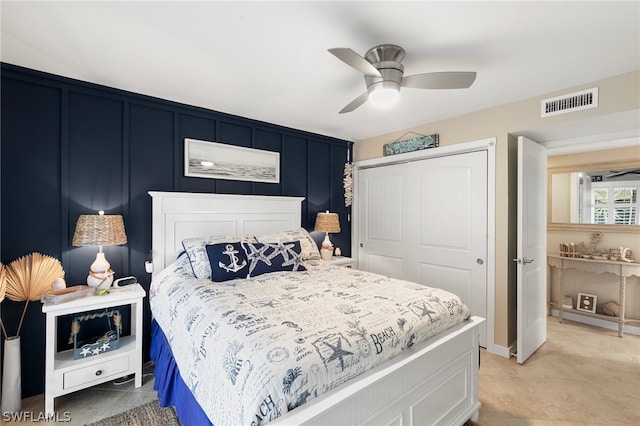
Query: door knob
479, 261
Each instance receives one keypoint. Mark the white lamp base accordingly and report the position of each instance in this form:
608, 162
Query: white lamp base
100, 276
326, 253
101, 281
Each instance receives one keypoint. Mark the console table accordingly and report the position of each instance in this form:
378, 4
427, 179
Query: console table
621, 269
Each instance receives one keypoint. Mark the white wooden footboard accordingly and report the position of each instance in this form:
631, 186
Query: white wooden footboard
436, 383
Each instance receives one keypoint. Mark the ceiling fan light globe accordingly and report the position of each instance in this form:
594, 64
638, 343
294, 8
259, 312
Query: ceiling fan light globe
384, 93
383, 96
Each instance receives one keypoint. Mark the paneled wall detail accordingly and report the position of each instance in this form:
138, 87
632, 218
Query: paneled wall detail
69, 148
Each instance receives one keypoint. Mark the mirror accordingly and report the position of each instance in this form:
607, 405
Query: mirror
595, 197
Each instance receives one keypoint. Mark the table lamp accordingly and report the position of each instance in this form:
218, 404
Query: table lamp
101, 230
328, 223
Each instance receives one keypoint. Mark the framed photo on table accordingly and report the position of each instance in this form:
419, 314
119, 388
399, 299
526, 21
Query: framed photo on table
587, 302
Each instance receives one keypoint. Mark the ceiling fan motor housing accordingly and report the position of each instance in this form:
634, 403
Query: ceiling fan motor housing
386, 59
385, 52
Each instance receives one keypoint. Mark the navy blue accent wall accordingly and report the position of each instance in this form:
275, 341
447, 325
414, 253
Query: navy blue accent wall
69, 148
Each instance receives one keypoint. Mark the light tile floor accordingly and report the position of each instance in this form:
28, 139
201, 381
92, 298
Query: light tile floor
582, 375
92, 404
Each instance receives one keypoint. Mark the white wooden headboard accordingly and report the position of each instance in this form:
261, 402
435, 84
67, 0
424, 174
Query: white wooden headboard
179, 215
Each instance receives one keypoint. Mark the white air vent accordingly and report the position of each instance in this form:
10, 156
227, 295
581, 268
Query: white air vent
569, 103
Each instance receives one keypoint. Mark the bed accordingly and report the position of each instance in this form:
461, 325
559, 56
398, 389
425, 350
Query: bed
353, 368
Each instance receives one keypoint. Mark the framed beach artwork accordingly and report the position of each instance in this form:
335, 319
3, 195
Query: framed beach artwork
214, 160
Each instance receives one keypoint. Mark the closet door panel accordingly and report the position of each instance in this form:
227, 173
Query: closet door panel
447, 209
382, 219
454, 279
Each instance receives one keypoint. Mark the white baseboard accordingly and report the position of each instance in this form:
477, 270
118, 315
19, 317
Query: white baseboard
631, 329
508, 351
503, 351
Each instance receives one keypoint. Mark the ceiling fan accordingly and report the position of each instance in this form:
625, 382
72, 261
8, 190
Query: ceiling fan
384, 75
616, 173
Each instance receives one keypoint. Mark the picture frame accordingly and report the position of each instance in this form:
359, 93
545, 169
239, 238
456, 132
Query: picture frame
410, 145
587, 302
213, 160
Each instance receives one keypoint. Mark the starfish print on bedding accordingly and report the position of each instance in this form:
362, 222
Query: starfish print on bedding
423, 310
338, 353
289, 255
257, 255
268, 304
283, 249
350, 285
295, 260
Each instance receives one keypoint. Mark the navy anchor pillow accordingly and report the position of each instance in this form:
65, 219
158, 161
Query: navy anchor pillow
228, 261
273, 257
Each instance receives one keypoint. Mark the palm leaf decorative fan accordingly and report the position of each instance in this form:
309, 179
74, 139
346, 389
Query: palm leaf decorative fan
28, 277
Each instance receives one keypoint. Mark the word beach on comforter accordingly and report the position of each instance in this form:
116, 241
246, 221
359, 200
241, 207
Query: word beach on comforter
252, 349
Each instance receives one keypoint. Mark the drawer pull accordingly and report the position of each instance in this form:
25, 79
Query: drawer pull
99, 372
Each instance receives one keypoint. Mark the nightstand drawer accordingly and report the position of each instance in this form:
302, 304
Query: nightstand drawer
95, 372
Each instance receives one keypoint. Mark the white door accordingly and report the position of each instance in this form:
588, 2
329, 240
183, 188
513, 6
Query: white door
381, 220
447, 239
426, 221
532, 248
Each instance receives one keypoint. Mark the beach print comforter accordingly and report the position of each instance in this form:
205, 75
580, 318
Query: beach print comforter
252, 349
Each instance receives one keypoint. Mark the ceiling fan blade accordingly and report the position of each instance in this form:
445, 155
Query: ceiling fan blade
440, 80
354, 60
355, 103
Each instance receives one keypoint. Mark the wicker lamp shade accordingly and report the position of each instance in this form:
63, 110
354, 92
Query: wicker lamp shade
99, 230
327, 222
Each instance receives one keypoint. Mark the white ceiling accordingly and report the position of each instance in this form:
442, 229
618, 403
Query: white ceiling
269, 61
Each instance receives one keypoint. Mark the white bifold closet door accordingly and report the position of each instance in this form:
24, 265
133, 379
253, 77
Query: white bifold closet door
426, 221
382, 204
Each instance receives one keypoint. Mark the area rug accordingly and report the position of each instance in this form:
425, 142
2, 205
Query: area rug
149, 414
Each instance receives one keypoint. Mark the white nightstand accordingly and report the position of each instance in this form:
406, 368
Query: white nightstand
64, 374
347, 262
